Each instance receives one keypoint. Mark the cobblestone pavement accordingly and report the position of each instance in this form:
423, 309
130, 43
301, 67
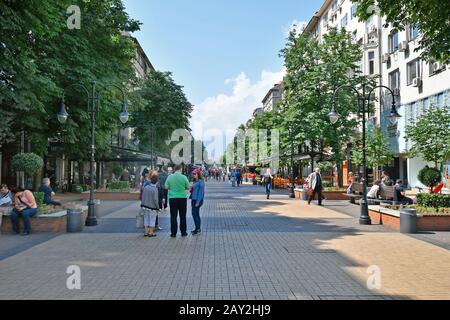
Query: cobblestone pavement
250, 248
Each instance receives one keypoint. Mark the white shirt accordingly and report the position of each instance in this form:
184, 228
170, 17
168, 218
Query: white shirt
373, 191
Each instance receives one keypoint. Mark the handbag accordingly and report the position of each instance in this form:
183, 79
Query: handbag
140, 219
309, 191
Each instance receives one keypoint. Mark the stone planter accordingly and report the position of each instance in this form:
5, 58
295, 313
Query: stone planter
113, 196
391, 218
55, 222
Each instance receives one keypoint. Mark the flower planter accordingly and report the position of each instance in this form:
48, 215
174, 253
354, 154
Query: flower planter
391, 218
113, 196
55, 222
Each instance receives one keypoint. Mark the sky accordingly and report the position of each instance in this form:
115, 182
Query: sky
224, 52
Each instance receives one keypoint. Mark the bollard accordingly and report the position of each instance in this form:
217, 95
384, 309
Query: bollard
74, 220
408, 221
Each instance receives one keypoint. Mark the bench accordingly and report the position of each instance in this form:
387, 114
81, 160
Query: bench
357, 191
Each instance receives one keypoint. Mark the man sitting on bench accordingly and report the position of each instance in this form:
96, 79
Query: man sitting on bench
374, 191
400, 193
48, 193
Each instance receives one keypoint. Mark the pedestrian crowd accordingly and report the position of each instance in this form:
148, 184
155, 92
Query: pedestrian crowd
163, 189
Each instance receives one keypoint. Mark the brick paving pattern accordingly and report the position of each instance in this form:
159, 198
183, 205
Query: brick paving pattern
250, 248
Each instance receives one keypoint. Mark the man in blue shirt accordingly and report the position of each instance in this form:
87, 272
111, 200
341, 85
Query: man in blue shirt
48, 193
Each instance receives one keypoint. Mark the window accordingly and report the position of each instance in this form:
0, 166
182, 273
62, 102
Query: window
353, 11
371, 62
393, 42
334, 5
413, 32
344, 21
440, 100
325, 19
413, 69
394, 79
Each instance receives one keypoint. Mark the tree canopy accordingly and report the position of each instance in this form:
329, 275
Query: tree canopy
430, 135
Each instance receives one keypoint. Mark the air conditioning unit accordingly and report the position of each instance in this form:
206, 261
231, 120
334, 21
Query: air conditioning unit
417, 82
437, 66
386, 58
403, 46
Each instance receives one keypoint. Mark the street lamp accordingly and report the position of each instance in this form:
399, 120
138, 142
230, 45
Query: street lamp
363, 106
291, 190
93, 101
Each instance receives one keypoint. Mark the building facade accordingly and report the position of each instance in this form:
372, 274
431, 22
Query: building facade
389, 56
272, 98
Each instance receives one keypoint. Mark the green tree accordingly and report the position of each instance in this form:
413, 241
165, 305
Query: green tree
40, 56
430, 16
314, 71
161, 106
430, 135
378, 151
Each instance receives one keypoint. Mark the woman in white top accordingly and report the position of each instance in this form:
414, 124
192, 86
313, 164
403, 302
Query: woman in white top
373, 192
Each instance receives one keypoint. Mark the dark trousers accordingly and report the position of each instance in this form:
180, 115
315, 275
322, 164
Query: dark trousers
26, 214
53, 203
196, 214
178, 206
163, 198
318, 191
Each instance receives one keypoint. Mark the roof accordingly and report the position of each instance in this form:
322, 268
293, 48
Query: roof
276, 87
316, 17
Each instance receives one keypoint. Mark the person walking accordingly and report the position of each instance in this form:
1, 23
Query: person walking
233, 178
177, 184
315, 184
197, 198
150, 204
25, 206
351, 181
267, 180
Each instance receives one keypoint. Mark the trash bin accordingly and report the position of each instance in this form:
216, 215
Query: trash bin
408, 221
74, 220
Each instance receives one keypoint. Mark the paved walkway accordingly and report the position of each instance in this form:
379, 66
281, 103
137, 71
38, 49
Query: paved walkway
251, 248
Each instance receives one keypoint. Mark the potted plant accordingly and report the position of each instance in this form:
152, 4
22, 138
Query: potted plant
28, 163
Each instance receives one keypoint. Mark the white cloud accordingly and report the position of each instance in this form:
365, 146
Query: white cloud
226, 112
296, 25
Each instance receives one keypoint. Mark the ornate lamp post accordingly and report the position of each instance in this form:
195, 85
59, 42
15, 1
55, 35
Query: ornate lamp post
93, 101
291, 190
363, 106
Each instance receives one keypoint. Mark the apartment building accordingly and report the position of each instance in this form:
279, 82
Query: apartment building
272, 98
389, 56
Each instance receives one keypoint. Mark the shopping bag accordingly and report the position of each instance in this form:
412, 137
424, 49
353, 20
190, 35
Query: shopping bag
140, 219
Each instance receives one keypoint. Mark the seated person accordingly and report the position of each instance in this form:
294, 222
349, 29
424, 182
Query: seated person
25, 206
373, 192
48, 193
6, 198
400, 193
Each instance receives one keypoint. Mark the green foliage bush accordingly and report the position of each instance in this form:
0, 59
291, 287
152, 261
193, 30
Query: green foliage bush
122, 186
430, 177
118, 171
39, 196
433, 200
29, 163
326, 183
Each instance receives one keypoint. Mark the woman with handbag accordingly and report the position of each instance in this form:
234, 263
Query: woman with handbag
150, 204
